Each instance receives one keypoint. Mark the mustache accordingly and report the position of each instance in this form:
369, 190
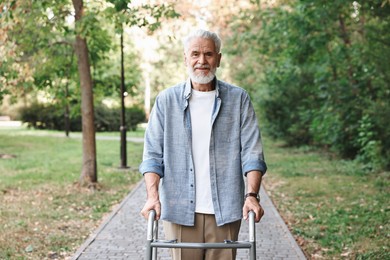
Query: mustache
198, 66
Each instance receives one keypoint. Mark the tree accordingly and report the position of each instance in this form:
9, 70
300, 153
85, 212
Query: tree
124, 15
38, 50
89, 168
145, 16
40, 40
319, 77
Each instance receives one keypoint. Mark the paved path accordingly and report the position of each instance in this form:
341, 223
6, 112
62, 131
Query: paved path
123, 234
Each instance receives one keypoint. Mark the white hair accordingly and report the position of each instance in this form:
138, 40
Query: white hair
200, 33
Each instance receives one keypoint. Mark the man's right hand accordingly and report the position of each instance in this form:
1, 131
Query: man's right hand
152, 181
151, 204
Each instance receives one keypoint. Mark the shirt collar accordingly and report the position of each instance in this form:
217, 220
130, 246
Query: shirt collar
188, 88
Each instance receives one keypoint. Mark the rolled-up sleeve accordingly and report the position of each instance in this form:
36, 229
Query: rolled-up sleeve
251, 145
153, 159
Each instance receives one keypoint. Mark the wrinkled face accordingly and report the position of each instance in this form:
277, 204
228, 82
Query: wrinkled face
202, 60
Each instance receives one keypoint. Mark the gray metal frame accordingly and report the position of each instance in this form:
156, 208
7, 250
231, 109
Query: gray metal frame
152, 242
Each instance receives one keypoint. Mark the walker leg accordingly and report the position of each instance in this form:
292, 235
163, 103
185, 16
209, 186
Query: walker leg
252, 236
155, 237
149, 236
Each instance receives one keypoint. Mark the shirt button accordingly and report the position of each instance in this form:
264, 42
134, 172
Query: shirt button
191, 169
192, 201
192, 185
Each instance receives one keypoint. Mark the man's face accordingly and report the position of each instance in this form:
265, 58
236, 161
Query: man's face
202, 60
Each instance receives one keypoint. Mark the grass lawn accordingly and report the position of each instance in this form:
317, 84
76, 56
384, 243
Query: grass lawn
43, 212
333, 208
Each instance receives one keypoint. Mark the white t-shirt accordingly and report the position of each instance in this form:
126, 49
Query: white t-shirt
201, 106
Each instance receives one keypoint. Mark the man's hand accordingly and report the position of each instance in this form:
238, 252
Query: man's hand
151, 204
153, 200
251, 204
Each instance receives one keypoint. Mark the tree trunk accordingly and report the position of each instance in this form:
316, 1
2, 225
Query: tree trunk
89, 170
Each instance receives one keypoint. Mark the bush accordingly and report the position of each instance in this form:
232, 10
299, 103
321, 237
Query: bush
107, 119
52, 117
320, 87
47, 116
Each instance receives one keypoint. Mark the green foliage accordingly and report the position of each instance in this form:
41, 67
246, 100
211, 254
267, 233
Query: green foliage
318, 73
107, 80
40, 116
146, 15
52, 117
370, 147
39, 38
108, 119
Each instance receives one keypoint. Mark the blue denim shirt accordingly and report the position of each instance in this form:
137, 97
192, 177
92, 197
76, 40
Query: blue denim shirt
235, 149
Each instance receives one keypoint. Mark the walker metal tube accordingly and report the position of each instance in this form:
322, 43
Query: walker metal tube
252, 235
152, 243
155, 237
149, 235
202, 245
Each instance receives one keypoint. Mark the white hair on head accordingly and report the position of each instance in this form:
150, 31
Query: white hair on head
200, 33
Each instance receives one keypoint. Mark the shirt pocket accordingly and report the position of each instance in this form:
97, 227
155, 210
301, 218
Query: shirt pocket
227, 129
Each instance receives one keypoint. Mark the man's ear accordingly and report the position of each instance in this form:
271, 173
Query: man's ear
219, 59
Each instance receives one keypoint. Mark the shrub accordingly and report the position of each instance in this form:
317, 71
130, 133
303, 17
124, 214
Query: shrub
52, 117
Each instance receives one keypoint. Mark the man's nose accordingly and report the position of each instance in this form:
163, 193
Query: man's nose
201, 59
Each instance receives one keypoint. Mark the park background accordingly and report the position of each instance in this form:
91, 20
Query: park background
317, 73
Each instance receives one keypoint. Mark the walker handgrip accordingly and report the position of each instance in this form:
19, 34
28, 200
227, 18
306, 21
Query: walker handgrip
152, 216
252, 233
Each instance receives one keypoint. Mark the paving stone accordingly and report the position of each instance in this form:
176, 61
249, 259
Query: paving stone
123, 234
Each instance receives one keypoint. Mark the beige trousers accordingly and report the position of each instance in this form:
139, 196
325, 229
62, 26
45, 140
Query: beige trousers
205, 230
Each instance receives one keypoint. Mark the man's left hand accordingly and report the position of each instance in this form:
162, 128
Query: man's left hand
251, 204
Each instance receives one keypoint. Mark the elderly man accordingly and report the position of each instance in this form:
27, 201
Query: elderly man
202, 140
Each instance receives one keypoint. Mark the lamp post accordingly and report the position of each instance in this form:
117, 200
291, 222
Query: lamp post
123, 118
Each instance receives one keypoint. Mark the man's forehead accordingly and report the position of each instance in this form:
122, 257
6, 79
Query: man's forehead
202, 43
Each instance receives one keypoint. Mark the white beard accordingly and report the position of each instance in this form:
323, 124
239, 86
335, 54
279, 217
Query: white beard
201, 79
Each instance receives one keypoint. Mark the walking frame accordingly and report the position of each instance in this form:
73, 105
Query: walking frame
152, 242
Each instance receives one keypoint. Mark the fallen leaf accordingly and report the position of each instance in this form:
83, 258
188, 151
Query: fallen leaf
346, 254
29, 249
